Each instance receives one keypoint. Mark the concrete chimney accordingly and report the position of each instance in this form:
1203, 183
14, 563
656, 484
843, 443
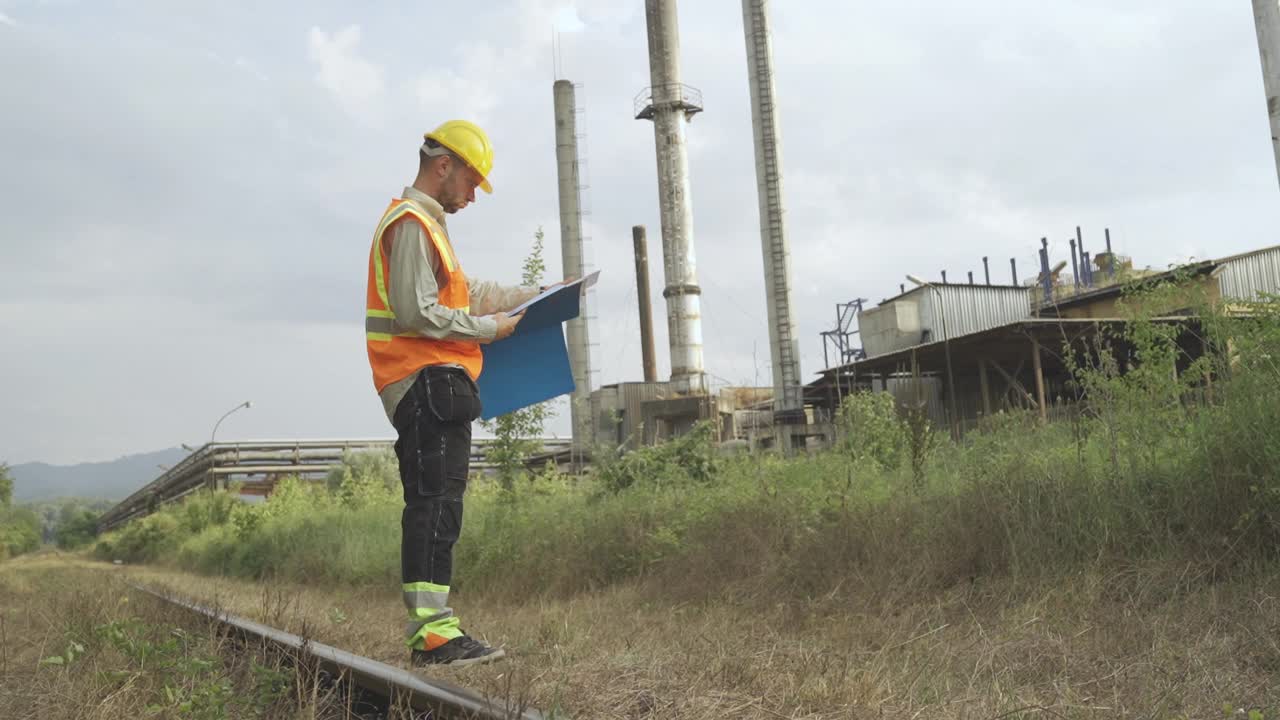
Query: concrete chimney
1266, 18
641, 243
669, 104
784, 346
572, 256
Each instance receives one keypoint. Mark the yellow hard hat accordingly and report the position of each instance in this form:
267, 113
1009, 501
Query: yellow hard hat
468, 142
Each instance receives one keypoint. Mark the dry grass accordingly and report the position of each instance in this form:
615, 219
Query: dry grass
1145, 643
162, 662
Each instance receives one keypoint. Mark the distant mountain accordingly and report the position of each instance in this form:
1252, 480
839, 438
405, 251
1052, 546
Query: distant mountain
112, 480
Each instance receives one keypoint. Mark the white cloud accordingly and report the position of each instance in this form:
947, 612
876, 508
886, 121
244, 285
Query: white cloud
356, 82
248, 66
7, 20
913, 147
469, 92
567, 20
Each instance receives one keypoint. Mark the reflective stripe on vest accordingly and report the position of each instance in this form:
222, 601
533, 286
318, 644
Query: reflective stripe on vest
381, 325
443, 250
395, 351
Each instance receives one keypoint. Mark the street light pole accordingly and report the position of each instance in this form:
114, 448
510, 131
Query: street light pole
214, 434
946, 351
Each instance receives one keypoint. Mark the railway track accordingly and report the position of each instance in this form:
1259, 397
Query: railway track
377, 688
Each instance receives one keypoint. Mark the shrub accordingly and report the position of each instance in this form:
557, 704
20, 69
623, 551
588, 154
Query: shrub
1149, 469
690, 458
871, 431
19, 531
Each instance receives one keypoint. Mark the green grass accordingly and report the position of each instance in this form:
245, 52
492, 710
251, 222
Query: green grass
1142, 474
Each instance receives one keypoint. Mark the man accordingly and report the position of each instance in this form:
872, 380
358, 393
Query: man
424, 326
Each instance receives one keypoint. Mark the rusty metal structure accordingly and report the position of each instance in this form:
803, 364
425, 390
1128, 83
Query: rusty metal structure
1007, 341
649, 359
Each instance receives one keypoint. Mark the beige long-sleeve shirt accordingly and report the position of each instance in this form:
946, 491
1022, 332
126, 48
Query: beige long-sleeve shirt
413, 288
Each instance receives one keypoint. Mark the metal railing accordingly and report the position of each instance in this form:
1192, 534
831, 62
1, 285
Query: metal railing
679, 95
259, 464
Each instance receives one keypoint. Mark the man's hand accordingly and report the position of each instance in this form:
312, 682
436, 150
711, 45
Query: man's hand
506, 324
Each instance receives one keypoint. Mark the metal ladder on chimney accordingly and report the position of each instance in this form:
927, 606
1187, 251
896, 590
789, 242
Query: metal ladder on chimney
772, 219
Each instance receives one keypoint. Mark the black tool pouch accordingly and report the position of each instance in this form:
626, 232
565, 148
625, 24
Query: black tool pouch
451, 394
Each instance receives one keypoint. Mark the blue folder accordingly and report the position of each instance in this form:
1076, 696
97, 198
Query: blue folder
532, 365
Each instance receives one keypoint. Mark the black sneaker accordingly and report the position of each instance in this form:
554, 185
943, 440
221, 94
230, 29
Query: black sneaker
459, 651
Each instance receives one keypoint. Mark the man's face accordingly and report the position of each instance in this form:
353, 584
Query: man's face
459, 187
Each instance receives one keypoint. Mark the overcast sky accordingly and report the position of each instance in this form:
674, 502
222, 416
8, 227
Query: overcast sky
187, 190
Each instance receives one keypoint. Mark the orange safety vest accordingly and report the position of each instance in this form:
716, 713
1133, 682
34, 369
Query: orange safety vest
396, 353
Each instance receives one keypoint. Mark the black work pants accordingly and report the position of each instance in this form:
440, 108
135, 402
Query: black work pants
433, 445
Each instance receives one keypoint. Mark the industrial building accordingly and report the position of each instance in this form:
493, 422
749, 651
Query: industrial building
959, 350
962, 351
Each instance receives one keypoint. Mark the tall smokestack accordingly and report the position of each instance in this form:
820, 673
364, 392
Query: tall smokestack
784, 346
1266, 18
646, 312
669, 104
571, 254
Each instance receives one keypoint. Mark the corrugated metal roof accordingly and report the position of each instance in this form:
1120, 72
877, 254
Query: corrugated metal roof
964, 309
968, 309
1243, 277
918, 288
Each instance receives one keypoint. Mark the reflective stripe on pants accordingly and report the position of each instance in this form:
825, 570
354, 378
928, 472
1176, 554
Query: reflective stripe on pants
431, 621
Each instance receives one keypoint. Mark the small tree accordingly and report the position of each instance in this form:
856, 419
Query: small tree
6, 486
514, 433
77, 529
873, 432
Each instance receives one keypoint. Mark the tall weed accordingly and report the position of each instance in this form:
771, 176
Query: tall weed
1153, 466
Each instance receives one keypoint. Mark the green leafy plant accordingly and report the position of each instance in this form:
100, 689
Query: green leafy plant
73, 650
6, 486
871, 431
270, 686
1232, 713
515, 434
690, 458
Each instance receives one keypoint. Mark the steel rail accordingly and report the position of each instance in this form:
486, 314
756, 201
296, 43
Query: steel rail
377, 678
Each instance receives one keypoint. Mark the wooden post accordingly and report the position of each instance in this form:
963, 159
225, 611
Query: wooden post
1208, 376
1039, 371
986, 387
915, 378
